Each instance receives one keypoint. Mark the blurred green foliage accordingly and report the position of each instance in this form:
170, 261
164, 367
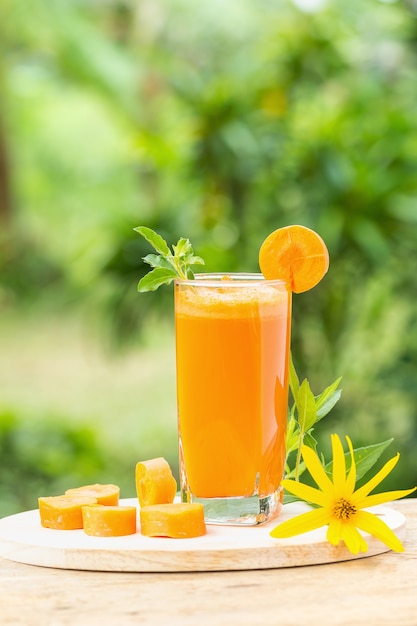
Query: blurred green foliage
44, 459
221, 122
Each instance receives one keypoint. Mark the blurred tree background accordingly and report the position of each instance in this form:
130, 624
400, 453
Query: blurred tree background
219, 121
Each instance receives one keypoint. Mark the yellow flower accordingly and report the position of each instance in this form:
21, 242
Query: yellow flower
340, 506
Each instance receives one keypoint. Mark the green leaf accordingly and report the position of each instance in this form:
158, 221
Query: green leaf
157, 277
309, 441
154, 239
291, 425
157, 260
306, 406
296, 473
365, 458
184, 258
327, 399
327, 407
175, 265
292, 442
294, 382
289, 498
183, 247
195, 260
293, 434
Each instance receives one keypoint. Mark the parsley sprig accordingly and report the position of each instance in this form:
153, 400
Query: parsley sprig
167, 265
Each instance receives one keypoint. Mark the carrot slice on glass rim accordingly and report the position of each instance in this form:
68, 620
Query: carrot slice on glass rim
295, 254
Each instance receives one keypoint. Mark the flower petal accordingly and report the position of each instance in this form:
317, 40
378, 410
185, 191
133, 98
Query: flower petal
374, 525
301, 524
351, 477
334, 532
386, 496
354, 541
305, 492
362, 492
339, 464
317, 470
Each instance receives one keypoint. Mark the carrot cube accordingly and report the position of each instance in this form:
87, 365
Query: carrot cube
109, 521
178, 520
105, 494
63, 512
155, 483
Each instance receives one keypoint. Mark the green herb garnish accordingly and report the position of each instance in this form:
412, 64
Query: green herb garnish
167, 265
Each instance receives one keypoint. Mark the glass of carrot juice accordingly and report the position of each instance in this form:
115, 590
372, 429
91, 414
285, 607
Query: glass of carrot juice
232, 355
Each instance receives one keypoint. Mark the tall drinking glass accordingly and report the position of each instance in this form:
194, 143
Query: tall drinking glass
232, 351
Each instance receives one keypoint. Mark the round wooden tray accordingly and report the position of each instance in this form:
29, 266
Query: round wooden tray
23, 539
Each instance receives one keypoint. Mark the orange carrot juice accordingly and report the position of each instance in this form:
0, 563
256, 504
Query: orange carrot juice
232, 341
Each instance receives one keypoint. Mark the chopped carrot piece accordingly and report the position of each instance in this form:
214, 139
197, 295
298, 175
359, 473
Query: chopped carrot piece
63, 512
105, 494
109, 521
295, 254
155, 483
178, 520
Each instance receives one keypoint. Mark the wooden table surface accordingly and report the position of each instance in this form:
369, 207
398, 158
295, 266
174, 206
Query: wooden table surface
378, 590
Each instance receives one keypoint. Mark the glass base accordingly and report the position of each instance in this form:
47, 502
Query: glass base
241, 511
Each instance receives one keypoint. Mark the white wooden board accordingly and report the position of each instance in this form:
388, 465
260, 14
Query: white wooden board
23, 539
